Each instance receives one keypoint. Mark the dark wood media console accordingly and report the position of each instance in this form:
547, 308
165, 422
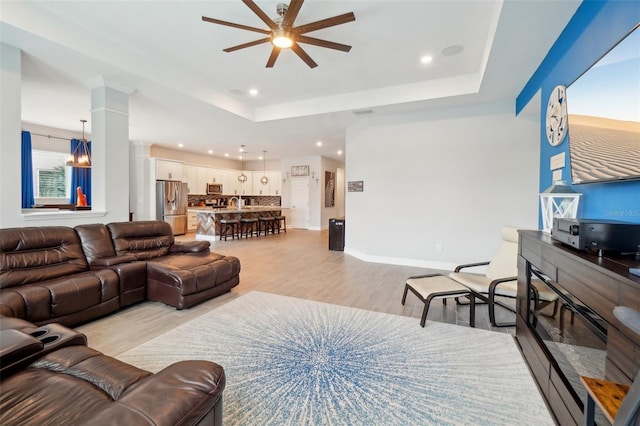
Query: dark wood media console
599, 283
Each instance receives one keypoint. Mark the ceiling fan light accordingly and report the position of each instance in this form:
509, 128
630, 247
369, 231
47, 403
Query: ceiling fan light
281, 39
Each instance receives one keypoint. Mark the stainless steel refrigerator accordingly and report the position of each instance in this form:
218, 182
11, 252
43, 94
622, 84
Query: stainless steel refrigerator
171, 204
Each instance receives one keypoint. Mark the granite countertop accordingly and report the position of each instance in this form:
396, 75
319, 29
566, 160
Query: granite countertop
233, 210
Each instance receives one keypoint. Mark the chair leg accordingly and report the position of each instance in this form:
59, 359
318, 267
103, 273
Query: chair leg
423, 319
404, 295
492, 313
472, 310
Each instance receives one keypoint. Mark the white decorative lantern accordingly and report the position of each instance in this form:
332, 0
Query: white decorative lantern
559, 200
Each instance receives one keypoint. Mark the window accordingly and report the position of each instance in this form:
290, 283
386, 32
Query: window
51, 177
52, 182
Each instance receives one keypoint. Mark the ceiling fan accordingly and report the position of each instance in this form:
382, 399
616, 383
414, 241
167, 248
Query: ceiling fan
282, 34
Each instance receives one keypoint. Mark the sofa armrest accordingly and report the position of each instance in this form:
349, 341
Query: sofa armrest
183, 393
190, 247
105, 262
16, 345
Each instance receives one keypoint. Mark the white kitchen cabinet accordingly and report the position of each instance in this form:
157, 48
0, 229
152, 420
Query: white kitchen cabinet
273, 187
220, 176
192, 220
238, 188
205, 175
168, 170
233, 186
247, 187
258, 187
275, 182
190, 175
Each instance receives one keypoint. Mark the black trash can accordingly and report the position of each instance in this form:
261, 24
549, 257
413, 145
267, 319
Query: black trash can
336, 233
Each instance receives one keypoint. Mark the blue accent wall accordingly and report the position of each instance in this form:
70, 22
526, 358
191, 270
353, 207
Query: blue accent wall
594, 29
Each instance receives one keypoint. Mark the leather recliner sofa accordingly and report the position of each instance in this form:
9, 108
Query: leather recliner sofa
50, 377
72, 275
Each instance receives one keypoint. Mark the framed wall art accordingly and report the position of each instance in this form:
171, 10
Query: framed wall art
355, 186
329, 189
299, 170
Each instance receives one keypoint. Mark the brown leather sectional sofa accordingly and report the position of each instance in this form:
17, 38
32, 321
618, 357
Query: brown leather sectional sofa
50, 377
72, 275
55, 275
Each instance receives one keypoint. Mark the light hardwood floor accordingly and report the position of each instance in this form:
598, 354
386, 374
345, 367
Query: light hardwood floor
297, 264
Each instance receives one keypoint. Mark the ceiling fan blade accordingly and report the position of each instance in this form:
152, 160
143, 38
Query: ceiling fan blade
272, 58
323, 43
251, 43
292, 13
325, 23
265, 18
303, 55
231, 24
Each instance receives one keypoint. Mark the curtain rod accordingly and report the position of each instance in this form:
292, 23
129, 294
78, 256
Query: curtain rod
49, 136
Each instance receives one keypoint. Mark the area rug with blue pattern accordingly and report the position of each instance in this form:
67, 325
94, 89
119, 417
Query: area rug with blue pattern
290, 361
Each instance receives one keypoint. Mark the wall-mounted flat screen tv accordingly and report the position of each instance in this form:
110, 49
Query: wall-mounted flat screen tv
604, 116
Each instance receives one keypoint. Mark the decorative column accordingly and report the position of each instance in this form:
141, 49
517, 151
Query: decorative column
110, 148
140, 183
10, 139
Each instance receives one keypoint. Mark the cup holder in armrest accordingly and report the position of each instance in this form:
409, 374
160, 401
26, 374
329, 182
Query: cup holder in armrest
50, 339
38, 333
45, 336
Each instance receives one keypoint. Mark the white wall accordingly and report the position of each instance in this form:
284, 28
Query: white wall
439, 185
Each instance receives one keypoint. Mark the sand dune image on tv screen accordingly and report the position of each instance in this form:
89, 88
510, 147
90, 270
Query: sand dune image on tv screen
603, 149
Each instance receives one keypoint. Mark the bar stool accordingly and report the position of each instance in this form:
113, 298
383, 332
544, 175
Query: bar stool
266, 224
279, 220
225, 224
249, 225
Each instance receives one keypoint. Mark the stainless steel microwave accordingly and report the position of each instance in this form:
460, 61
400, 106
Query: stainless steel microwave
214, 189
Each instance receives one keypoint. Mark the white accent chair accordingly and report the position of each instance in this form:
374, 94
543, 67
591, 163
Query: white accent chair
501, 278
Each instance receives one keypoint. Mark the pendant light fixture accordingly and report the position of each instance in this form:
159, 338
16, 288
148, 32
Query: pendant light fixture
264, 179
242, 178
81, 156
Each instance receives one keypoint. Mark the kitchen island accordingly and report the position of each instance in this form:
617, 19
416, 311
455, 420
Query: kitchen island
208, 219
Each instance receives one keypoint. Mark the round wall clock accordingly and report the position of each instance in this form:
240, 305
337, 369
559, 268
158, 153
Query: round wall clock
556, 123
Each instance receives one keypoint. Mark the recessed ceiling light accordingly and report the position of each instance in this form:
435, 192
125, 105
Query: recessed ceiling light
181, 145
260, 157
210, 151
319, 143
253, 92
426, 59
452, 50
226, 154
339, 152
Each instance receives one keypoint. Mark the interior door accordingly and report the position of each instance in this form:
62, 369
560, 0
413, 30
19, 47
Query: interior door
300, 203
